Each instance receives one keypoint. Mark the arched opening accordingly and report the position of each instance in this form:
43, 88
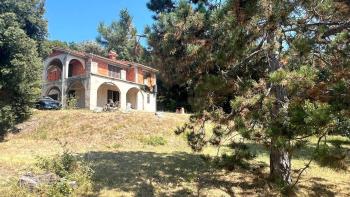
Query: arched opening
54, 70
75, 68
77, 91
54, 93
108, 92
134, 99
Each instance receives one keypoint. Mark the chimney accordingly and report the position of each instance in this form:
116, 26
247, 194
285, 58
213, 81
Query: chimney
112, 55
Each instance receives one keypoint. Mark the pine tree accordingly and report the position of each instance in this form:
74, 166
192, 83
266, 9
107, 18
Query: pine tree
121, 36
274, 72
23, 33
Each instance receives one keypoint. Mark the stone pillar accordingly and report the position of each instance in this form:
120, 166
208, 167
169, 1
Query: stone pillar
93, 92
64, 81
123, 99
87, 83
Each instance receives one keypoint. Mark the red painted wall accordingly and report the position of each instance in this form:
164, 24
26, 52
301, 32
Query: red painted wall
140, 75
77, 68
102, 68
54, 73
130, 74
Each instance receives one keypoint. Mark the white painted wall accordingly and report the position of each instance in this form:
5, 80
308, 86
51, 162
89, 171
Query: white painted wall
98, 98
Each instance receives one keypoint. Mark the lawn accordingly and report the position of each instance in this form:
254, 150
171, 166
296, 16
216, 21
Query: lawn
138, 154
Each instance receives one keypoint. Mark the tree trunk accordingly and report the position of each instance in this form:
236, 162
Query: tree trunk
280, 164
280, 158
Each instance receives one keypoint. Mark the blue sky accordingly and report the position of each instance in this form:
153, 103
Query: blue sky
77, 20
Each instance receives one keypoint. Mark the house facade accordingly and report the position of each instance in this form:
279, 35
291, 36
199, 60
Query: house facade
95, 80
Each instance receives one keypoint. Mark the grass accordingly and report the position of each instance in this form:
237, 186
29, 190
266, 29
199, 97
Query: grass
138, 154
154, 141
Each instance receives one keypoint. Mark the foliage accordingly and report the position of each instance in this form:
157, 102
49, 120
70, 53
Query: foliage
23, 32
62, 165
171, 97
121, 36
85, 46
72, 102
68, 168
274, 72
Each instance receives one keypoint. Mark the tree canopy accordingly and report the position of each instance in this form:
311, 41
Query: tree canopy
23, 32
85, 46
121, 36
274, 72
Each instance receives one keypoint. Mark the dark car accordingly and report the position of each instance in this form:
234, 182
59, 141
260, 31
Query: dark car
47, 103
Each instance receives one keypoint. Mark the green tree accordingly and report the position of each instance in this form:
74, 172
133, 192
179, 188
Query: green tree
92, 47
121, 36
57, 43
85, 46
23, 33
274, 72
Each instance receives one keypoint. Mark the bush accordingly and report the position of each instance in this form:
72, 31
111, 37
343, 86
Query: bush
61, 165
72, 102
68, 168
60, 189
7, 120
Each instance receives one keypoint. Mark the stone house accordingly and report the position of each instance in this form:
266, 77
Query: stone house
94, 80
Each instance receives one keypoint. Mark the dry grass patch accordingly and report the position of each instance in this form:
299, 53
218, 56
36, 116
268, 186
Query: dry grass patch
138, 154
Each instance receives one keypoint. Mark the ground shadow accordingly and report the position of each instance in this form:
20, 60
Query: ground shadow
138, 173
319, 187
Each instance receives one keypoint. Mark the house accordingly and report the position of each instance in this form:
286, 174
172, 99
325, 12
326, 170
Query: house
95, 80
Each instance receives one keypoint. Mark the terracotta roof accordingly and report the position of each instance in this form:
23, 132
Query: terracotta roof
90, 55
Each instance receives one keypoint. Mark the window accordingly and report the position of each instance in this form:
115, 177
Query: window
112, 95
148, 98
113, 71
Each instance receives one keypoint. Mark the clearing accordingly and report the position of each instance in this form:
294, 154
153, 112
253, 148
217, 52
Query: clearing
138, 154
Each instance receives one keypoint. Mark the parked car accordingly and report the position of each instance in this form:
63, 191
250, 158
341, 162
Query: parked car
48, 103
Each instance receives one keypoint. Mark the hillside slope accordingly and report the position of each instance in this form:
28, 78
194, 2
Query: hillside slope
138, 154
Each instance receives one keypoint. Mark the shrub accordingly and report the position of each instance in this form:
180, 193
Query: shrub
72, 102
61, 165
60, 189
68, 168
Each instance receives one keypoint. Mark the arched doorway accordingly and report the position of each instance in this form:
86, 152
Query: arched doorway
75, 68
54, 93
76, 90
134, 99
107, 92
54, 70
